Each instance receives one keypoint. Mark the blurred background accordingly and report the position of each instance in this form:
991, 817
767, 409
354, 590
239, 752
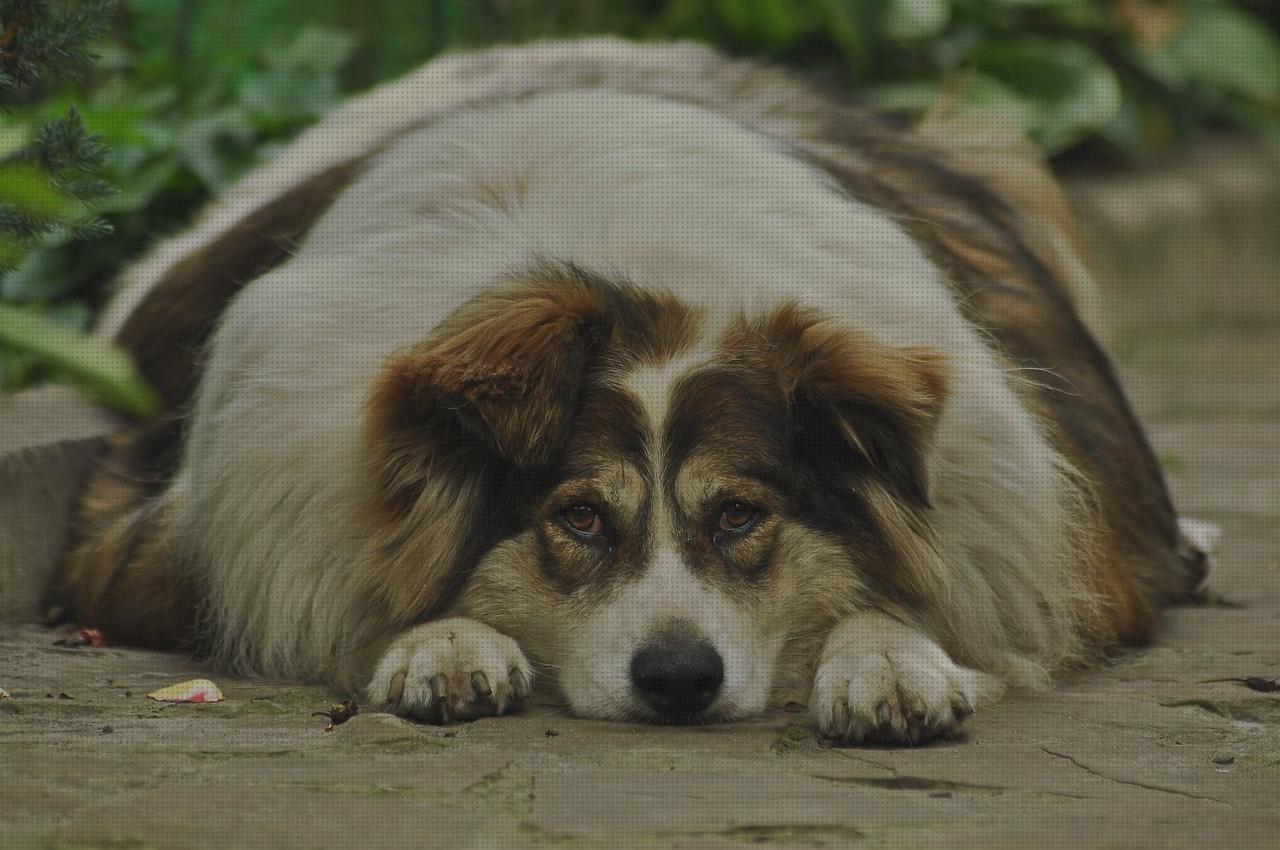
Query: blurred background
120, 119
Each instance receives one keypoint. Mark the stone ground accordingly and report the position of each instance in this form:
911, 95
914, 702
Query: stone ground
1145, 752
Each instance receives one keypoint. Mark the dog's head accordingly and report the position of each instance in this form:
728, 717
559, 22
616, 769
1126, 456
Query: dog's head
653, 508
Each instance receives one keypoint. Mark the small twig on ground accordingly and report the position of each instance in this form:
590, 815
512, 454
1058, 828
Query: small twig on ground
339, 713
1253, 683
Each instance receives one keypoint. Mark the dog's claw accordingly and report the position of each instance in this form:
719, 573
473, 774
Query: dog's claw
395, 691
840, 718
519, 683
448, 670
439, 688
899, 685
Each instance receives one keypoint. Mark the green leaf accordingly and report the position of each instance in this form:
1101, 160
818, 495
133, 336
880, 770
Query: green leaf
975, 94
213, 146
1224, 46
1066, 90
985, 94
852, 26
290, 95
141, 184
41, 276
314, 48
101, 370
911, 20
771, 24
1027, 4
1131, 130
916, 96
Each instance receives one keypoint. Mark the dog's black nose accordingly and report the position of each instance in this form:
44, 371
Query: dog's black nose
677, 676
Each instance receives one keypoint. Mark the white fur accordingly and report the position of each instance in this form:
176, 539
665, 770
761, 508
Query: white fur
595, 675
878, 676
1203, 534
653, 385
702, 198
454, 649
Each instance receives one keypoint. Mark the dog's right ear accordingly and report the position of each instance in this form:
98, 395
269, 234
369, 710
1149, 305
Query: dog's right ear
497, 380
862, 415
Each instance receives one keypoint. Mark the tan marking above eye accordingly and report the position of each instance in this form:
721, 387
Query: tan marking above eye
735, 515
583, 518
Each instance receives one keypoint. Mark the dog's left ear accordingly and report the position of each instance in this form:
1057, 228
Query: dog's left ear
851, 395
488, 395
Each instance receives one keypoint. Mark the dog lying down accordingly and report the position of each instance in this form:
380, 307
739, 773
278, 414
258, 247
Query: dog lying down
653, 375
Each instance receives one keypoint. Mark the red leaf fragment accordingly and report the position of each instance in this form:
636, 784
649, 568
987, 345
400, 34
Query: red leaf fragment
82, 637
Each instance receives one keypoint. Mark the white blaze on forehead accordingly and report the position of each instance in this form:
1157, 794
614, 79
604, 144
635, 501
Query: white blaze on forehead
653, 385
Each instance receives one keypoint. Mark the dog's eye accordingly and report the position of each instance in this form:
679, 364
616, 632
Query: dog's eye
583, 518
737, 516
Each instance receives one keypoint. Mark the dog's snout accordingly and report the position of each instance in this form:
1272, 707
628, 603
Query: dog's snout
677, 676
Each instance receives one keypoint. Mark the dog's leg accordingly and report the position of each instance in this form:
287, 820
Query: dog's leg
453, 669
121, 572
883, 682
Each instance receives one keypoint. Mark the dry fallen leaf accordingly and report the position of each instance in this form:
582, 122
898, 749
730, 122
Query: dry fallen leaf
195, 690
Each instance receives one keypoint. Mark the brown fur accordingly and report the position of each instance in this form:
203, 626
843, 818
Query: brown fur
847, 393
461, 426
120, 573
824, 364
168, 330
1008, 287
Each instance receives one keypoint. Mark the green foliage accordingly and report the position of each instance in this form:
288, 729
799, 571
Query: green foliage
105, 373
45, 185
187, 95
42, 39
50, 174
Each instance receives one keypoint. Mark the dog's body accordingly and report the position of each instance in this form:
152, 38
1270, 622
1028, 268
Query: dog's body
694, 387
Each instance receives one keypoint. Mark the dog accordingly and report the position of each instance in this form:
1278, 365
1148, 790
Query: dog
663, 377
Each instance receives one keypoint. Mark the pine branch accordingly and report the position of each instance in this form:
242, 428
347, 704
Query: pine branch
41, 39
46, 184
63, 146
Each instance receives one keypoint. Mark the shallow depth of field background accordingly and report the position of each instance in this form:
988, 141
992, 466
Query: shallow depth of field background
185, 95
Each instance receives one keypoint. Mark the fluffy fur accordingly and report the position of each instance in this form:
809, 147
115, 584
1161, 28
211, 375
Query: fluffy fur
654, 281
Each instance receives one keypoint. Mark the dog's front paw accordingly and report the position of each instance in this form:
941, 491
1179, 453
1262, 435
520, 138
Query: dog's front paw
454, 669
882, 682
